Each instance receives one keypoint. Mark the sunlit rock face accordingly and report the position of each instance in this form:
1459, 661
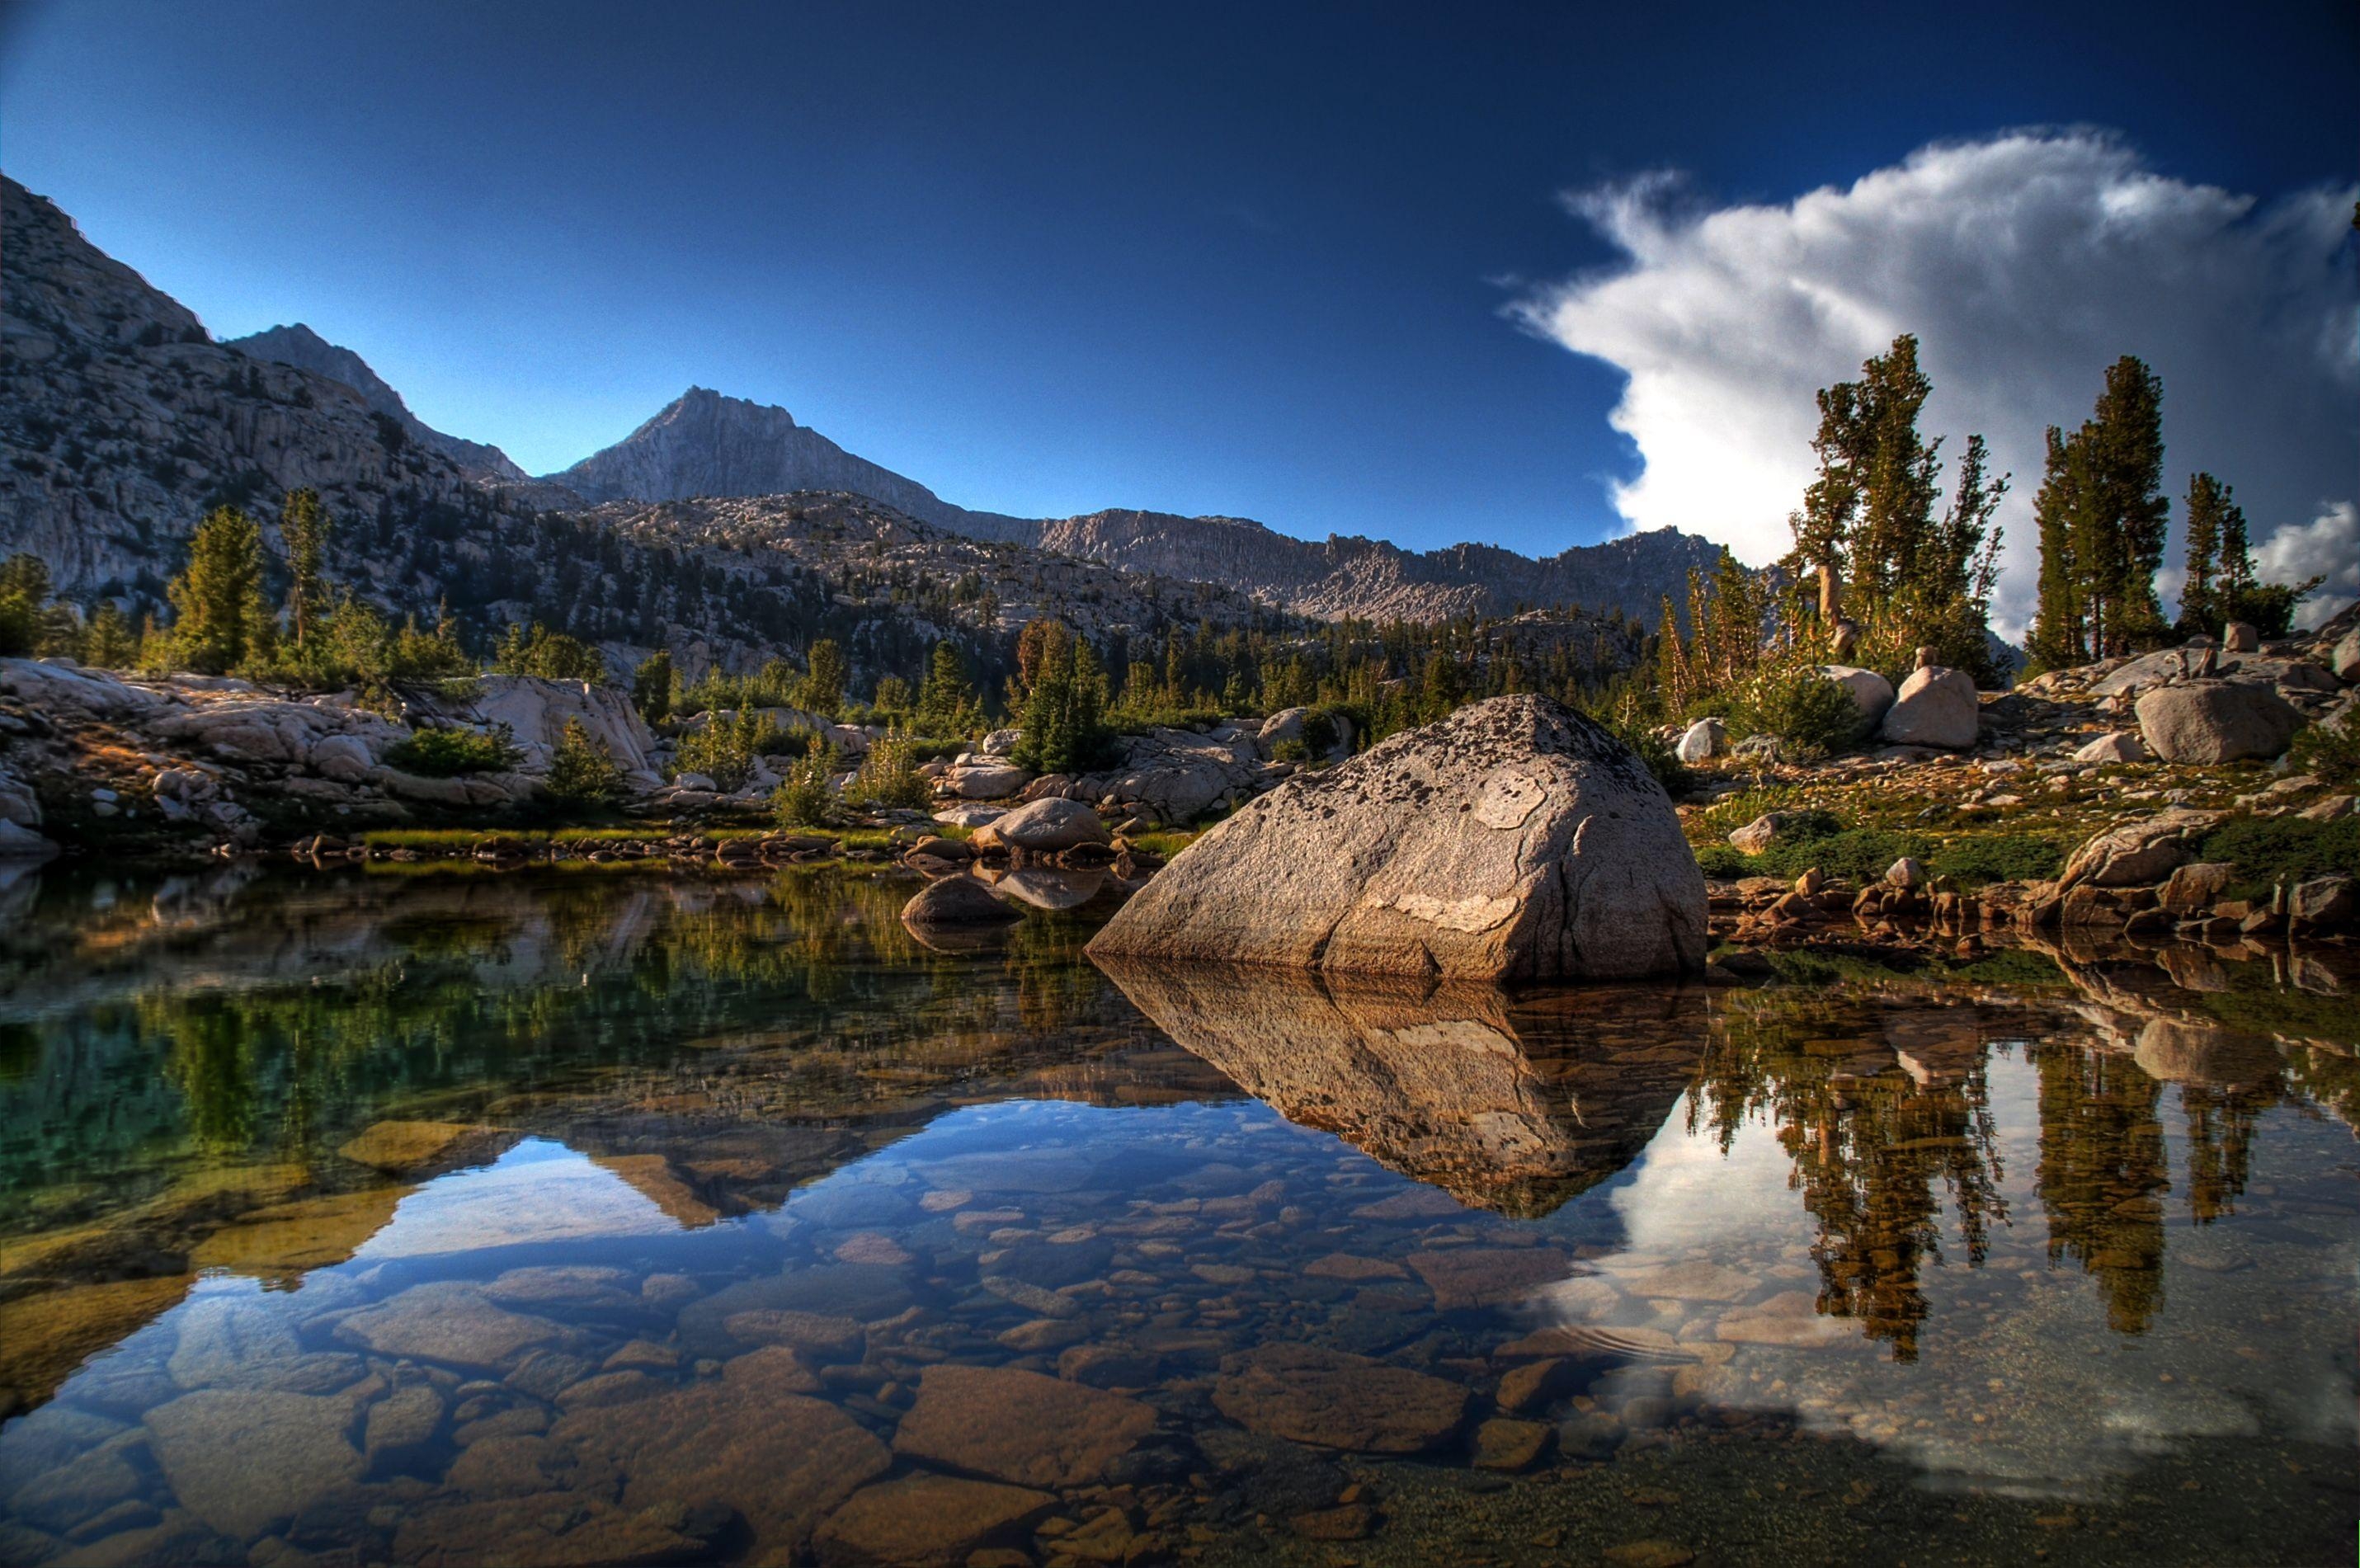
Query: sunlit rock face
1516, 840
1508, 1106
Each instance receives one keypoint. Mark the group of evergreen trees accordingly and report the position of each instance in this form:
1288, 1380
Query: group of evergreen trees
2103, 517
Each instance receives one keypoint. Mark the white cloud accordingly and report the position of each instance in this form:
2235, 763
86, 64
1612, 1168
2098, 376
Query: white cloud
2328, 546
2026, 264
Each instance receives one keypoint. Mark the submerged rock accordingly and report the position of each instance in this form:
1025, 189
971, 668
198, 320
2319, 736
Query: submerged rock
1515, 839
1332, 1400
1019, 1427
241, 1459
926, 1521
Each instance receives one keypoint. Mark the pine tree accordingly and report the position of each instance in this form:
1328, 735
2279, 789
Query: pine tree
220, 619
303, 528
946, 701
2120, 511
821, 691
651, 686
2056, 638
582, 772
2207, 500
110, 641
24, 596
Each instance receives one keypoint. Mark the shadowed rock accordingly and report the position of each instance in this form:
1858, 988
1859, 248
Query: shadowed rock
1514, 839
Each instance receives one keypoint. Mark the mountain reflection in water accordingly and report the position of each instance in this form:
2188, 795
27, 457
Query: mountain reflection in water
470, 1218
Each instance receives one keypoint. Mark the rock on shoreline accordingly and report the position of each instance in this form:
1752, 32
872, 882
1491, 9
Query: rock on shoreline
1514, 839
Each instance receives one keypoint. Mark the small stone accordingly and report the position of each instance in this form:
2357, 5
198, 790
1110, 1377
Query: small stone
926, 1521
1352, 1521
401, 1425
871, 1246
1694, 1281
1502, 1443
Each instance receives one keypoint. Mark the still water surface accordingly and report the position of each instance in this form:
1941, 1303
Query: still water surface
616, 1218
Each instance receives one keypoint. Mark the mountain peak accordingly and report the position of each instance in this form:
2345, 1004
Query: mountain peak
300, 346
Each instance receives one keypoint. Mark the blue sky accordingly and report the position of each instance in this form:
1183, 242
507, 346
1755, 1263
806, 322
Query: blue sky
1251, 260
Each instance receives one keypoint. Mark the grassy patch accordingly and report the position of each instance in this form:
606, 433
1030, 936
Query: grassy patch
1165, 844
2267, 850
2012, 857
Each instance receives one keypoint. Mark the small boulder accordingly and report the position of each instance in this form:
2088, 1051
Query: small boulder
2216, 721
1936, 707
1870, 693
1906, 873
1046, 826
1705, 740
986, 778
956, 901
2345, 657
2323, 901
2139, 853
2194, 887
2117, 745
2239, 637
1761, 832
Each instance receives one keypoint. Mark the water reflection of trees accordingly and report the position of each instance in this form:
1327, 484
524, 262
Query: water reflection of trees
1876, 1087
451, 994
1869, 1139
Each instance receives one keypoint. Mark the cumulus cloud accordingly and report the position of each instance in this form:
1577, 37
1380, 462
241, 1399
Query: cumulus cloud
2026, 264
2328, 546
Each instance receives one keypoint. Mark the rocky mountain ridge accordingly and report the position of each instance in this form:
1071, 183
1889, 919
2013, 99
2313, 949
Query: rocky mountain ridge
302, 347
706, 444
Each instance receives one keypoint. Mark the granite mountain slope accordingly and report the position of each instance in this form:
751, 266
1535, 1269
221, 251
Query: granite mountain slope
302, 347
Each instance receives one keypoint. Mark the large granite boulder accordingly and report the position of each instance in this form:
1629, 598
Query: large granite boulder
1870, 693
2216, 721
1514, 839
1936, 707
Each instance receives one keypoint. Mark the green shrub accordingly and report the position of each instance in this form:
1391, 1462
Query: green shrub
889, 778
1861, 853
1971, 863
2333, 754
582, 772
1809, 715
805, 799
2288, 849
446, 754
1318, 732
1661, 757
1290, 751
724, 750
1724, 860
550, 655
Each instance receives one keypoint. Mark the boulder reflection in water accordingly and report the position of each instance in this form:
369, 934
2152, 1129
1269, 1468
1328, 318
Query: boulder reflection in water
1514, 1102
